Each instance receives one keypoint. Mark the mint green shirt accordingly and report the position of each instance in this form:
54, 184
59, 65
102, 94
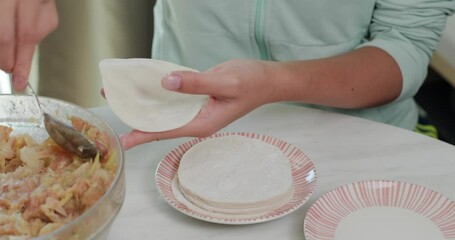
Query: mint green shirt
203, 33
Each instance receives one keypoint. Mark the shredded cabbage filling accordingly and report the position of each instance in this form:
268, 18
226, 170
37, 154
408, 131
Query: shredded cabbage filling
42, 186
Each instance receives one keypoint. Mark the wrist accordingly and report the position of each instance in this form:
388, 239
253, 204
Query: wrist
285, 80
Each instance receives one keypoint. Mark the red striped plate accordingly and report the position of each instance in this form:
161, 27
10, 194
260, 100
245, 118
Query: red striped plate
303, 174
381, 210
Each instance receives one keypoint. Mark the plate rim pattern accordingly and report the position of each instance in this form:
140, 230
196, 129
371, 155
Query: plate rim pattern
323, 217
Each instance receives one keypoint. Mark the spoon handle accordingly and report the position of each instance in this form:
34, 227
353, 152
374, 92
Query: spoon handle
36, 98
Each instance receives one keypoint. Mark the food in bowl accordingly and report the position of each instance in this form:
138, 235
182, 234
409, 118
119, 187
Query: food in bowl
93, 201
43, 186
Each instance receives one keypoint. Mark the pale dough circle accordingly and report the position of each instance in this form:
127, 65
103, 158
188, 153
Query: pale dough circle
235, 174
133, 91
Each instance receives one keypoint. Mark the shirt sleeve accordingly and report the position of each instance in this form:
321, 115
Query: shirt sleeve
409, 30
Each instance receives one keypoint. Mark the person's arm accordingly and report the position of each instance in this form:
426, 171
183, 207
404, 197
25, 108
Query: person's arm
362, 78
239, 86
409, 32
23, 24
390, 65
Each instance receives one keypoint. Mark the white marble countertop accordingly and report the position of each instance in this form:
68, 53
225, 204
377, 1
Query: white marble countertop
344, 149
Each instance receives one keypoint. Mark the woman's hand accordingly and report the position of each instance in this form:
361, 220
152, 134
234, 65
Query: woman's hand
365, 77
23, 24
235, 88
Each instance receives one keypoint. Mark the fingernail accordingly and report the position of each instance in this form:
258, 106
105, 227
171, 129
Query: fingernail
172, 81
19, 82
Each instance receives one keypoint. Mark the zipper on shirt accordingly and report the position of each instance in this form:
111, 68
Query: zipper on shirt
259, 29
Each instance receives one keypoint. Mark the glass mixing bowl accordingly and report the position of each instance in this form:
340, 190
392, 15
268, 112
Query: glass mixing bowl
21, 113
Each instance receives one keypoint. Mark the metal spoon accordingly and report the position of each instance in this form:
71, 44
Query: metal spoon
66, 136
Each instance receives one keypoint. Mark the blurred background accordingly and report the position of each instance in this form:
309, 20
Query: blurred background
66, 63
436, 97
90, 31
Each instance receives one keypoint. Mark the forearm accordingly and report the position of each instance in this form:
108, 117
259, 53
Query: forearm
365, 77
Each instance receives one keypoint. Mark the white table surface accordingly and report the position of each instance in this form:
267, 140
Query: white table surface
344, 149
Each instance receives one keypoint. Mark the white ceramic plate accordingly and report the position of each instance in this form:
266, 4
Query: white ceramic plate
378, 209
303, 174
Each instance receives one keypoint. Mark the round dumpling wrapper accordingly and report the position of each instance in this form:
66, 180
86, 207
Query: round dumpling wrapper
133, 91
235, 174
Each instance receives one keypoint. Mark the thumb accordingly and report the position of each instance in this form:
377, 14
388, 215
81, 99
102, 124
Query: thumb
194, 83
